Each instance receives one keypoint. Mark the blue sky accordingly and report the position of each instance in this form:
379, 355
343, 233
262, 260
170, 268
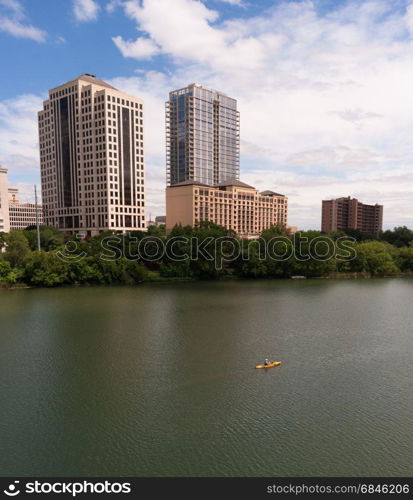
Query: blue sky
323, 86
87, 46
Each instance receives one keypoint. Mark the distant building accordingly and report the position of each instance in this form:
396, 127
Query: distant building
13, 214
23, 215
160, 219
202, 136
232, 204
4, 202
349, 213
92, 158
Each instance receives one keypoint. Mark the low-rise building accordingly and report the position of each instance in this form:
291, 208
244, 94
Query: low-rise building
160, 219
13, 214
22, 215
232, 204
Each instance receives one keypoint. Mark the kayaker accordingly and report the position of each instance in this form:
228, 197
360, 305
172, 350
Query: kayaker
266, 362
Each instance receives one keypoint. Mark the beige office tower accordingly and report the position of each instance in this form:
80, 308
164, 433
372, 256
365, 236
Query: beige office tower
4, 202
92, 160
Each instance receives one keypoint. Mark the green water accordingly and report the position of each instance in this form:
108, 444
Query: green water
159, 380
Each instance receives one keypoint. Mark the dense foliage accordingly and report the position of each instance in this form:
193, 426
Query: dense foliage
205, 252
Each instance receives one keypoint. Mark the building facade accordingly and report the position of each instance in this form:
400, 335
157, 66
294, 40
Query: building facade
202, 136
23, 215
232, 204
349, 213
160, 220
4, 202
92, 158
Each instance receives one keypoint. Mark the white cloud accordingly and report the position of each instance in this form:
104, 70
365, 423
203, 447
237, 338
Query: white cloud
13, 22
141, 48
325, 99
187, 34
238, 3
14, 6
19, 30
18, 133
85, 10
113, 5
409, 19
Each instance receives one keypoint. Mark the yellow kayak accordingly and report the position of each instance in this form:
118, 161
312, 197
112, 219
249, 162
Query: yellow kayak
270, 365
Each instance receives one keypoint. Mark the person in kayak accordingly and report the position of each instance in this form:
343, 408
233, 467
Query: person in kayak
266, 362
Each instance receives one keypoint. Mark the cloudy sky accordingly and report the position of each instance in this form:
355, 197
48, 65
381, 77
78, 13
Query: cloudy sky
324, 87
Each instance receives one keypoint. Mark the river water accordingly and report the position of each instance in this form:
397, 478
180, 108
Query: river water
159, 380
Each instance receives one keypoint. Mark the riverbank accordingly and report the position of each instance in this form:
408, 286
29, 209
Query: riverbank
364, 275
155, 278
192, 254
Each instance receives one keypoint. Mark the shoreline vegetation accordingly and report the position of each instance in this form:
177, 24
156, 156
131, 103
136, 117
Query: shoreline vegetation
162, 281
136, 257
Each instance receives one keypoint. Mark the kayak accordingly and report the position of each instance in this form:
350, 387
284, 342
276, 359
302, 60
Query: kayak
270, 365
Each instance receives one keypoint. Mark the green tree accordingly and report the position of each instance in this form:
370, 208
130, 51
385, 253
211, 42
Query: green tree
8, 275
84, 271
134, 272
252, 262
399, 237
405, 258
5, 268
374, 257
157, 230
50, 237
210, 245
358, 235
17, 248
2, 240
13, 277
46, 269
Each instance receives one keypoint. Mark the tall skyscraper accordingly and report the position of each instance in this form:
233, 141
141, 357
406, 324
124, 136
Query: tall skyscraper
4, 202
202, 136
91, 157
347, 213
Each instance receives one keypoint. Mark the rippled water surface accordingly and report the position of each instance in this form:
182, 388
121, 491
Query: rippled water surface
159, 380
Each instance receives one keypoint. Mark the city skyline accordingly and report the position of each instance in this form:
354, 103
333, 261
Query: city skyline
320, 116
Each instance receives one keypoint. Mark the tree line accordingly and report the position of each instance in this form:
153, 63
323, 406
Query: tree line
139, 256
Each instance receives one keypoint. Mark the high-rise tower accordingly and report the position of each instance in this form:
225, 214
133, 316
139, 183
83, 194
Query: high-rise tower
91, 156
202, 136
349, 213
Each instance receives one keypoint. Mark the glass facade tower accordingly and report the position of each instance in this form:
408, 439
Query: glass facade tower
202, 136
